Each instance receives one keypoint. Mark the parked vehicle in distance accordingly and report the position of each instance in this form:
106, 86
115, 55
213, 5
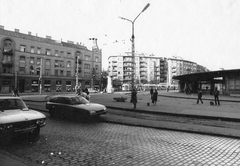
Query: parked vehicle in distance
16, 118
91, 90
72, 106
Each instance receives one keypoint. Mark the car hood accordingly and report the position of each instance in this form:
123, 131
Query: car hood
18, 115
91, 106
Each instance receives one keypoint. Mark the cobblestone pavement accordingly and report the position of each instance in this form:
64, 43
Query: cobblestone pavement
65, 142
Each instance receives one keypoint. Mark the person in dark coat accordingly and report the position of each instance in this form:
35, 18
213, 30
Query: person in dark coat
154, 97
151, 92
216, 98
86, 91
16, 91
199, 96
134, 98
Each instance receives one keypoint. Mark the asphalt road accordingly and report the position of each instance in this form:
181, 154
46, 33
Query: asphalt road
67, 142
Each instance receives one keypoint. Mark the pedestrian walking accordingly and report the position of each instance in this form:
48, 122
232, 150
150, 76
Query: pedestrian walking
86, 91
151, 92
199, 96
216, 96
134, 98
12, 91
154, 97
16, 92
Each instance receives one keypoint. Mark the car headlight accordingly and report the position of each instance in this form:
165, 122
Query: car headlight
92, 112
6, 127
40, 121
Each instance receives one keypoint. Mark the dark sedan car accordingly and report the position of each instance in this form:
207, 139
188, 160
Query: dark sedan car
74, 106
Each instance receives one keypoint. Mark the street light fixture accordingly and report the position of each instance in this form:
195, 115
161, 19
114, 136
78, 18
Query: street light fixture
133, 42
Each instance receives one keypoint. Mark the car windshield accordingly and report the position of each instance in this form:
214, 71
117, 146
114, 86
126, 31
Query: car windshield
9, 104
79, 100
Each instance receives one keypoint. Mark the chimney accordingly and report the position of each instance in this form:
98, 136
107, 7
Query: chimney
17, 30
29, 33
1, 27
49, 37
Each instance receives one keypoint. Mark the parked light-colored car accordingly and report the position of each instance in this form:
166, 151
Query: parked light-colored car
74, 106
16, 118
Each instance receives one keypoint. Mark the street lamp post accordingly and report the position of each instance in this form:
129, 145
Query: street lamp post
40, 77
133, 42
77, 73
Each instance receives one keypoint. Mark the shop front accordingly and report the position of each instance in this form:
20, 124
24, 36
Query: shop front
58, 86
47, 85
34, 85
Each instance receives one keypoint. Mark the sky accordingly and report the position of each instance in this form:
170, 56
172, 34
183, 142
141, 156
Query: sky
203, 31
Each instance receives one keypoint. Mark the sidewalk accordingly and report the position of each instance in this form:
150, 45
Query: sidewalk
184, 105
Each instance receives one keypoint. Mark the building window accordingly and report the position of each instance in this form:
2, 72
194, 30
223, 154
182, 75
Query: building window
62, 53
32, 49
23, 48
38, 61
97, 59
47, 64
6, 69
47, 72
56, 53
56, 64
69, 54
56, 72
87, 57
68, 73
22, 70
86, 66
61, 72
86, 74
38, 71
96, 67
22, 61
38, 50
48, 52
61, 63
31, 61
68, 64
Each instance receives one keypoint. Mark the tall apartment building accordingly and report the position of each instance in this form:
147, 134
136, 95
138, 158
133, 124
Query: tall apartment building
150, 69
147, 68
179, 66
24, 58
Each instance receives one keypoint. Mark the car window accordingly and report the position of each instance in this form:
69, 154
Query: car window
8, 104
79, 100
53, 100
65, 100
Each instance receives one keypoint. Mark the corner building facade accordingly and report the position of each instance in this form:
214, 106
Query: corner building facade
26, 61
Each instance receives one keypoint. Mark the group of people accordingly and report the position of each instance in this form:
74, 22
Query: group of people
15, 91
215, 93
154, 96
153, 93
84, 93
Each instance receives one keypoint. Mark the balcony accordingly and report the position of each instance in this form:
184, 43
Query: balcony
7, 52
128, 70
114, 65
7, 63
143, 66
